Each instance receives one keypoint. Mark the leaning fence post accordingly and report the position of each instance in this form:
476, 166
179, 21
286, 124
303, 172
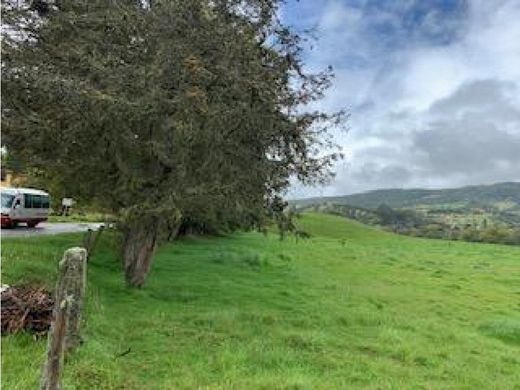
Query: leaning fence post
64, 332
76, 283
87, 238
95, 240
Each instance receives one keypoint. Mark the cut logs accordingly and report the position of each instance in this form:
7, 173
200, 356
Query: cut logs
26, 308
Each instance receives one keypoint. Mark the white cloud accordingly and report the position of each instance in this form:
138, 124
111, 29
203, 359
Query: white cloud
435, 99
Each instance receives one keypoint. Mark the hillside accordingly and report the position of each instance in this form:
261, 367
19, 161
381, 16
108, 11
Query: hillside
351, 307
506, 195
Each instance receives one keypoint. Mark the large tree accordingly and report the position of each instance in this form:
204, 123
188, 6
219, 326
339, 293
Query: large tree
164, 109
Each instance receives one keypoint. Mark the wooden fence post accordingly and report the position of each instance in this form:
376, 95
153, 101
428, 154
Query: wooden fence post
64, 332
87, 238
76, 283
91, 238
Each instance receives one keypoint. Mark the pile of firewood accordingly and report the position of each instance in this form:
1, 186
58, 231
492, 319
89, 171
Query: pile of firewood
26, 308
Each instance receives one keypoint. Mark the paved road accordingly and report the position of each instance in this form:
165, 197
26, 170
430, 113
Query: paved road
45, 228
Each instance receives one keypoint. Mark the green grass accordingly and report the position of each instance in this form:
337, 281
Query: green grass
81, 217
352, 307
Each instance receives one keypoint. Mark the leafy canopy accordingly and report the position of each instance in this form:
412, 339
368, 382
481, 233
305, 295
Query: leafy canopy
165, 108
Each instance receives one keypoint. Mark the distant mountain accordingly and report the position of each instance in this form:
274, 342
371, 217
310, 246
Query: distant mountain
501, 195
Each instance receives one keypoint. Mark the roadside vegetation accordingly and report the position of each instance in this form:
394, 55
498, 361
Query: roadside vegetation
350, 307
82, 217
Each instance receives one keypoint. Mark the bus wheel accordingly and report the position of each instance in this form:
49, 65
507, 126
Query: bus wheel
32, 224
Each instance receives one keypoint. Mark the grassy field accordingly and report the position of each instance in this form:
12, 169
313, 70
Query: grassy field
352, 307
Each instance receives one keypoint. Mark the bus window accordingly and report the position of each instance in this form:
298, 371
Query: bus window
7, 200
27, 201
36, 201
45, 202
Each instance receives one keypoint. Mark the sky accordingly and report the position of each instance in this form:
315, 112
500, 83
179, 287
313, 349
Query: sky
432, 87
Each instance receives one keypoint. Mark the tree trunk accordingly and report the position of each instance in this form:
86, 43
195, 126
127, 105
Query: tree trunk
174, 230
139, 242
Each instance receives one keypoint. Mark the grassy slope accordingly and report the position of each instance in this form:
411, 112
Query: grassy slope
352, 307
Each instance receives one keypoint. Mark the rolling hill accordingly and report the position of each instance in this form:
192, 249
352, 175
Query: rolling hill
502, 195
495, 205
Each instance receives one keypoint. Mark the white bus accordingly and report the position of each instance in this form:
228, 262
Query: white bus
24, 205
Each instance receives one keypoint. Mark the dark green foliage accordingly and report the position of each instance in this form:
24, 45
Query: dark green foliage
165, 111
10, 162
398, 219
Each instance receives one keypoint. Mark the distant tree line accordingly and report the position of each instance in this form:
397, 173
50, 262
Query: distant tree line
411, 223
